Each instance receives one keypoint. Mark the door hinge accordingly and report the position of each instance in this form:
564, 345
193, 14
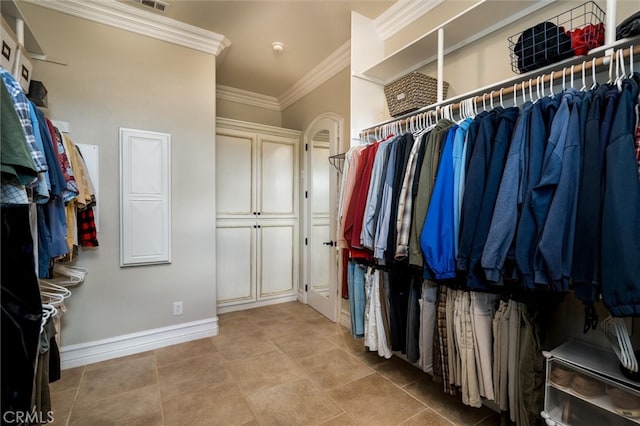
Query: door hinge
306, 241
306, 147
306, 287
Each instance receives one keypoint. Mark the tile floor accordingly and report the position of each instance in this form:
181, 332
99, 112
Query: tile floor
277, 365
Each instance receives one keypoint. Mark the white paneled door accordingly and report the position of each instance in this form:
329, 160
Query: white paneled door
322, 140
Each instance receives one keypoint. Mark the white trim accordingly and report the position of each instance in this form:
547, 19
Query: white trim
401, 14
258, 304
246, 97
133, 343
129, 18
330, 66
345, 318
230, 123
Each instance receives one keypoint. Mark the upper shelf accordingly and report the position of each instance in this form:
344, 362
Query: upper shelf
484, 17
11, 12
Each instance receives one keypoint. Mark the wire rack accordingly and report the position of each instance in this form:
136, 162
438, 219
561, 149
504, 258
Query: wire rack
571, 33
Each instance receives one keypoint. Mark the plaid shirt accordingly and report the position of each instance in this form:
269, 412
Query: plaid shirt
405, 202
21, 105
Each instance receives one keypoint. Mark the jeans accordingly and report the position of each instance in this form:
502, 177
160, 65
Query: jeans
356, 278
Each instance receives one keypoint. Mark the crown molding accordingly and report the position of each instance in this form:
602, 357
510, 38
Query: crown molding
401, 14
129, 18
330, 66
246, 97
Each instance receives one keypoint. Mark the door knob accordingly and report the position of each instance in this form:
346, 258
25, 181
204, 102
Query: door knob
329, 243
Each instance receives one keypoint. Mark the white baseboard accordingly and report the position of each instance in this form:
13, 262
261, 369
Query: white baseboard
345, 318
133, 343
242, 306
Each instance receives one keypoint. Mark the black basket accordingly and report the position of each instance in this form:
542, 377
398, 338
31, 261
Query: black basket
571, 33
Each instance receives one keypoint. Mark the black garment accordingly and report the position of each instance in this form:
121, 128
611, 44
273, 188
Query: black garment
21, 310
542, 45
402, 158
413, 319
585, 270
399, 285
629, 27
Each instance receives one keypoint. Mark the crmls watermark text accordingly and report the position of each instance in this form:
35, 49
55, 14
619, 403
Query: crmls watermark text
27, 417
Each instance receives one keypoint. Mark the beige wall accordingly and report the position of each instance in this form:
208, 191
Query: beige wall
252, 114
331, 96
119, 79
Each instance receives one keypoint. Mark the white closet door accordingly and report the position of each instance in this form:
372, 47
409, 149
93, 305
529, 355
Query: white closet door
235, 273
277, 190
235, 174
277, 260
145, 197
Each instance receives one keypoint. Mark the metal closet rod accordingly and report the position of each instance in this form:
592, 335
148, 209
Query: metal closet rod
507, 90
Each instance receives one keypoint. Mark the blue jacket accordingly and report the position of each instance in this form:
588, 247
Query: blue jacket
527, 232
500, 147
474, 184
544, 191
556, 240
509, 202
437, 235
621, 210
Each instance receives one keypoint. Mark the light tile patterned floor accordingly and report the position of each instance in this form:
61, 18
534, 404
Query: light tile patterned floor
277, 365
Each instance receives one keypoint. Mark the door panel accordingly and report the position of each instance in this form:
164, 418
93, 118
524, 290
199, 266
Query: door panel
276, 263
234, 158
321, 255
277, 191
235, 275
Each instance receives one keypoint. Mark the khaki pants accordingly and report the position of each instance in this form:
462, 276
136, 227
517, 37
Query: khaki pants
482, 311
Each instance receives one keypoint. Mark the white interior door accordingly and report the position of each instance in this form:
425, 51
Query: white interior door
321, 254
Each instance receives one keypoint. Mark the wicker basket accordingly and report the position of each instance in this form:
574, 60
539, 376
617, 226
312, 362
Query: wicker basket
411, 92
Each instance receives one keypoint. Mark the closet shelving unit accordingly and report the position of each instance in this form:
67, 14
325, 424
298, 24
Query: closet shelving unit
478, 20
13, 15
373, 70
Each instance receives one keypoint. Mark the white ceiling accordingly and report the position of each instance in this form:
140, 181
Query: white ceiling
311, 30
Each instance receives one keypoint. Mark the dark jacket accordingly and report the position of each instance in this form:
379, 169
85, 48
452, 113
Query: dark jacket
621, 211
500, 147
585, 271
527, 232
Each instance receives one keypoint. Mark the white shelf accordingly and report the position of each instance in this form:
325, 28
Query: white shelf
11, 12
479, 20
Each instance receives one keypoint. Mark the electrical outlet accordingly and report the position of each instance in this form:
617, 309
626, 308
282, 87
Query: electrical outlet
177, 308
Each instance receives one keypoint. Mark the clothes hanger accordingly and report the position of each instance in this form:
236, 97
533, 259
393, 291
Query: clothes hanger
623, 70
491, 98
515, 95
500, 93
531, 90
593, 74
611, 59
631, 61
551, 94
572, 66
484, 105
622, 331
564, 86
584, 81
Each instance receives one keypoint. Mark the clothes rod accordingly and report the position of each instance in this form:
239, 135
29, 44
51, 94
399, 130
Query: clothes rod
557, 75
